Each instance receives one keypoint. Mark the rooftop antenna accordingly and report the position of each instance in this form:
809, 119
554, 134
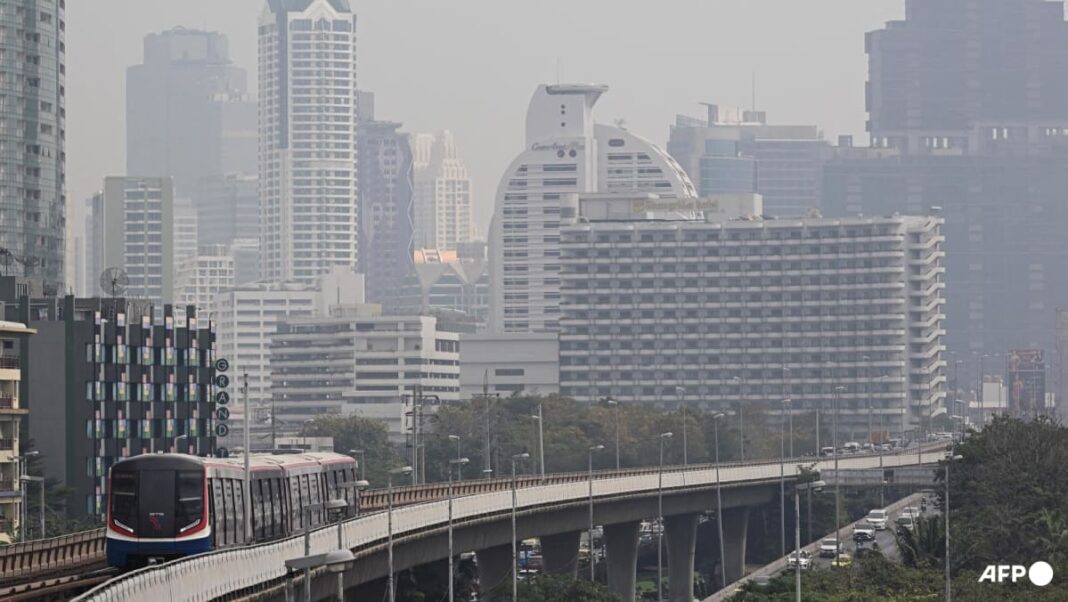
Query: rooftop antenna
558, 71
754, 96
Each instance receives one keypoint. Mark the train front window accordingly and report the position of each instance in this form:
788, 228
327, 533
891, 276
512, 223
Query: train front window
190, 510
124, 499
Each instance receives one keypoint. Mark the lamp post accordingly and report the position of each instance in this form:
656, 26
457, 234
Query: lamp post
459, 464
782, 474
338, 506
837, 478
660, 521
246, 492
950, 458
589, 472
615, 404
541, 441
24, 469
41, 486
681, 393
402, 471
515, 552
741, 417
814, 485
719, 501
306, 514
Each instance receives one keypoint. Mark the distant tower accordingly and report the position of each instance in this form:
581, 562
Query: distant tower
442, 194
565, 153
32, 156
307, 124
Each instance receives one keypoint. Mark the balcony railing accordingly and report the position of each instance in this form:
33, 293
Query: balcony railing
7, 444
10, 362
7, 403
7, 486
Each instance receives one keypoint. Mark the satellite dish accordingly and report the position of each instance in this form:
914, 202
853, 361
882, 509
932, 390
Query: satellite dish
114, 281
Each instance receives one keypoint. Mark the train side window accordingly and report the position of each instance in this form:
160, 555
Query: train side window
296, 502
218, 511
239, 511
190, 500
228, 510
281, 523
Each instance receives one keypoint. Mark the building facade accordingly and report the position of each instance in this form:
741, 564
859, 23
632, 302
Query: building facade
12, 412
204, 275
107, 382
189, 114
447, 281
307, 136
755, 311
565, 153
735, 151
32, 140
509, 364
228, 208
357, 361
137, 223
443, 193
385, 176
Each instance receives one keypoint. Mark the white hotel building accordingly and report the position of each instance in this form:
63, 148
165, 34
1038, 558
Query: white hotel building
565, 153
749, 310
307, 138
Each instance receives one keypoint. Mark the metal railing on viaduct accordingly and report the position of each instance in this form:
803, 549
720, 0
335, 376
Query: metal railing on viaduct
555, 509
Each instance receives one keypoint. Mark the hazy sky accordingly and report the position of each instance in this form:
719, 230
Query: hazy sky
471, 65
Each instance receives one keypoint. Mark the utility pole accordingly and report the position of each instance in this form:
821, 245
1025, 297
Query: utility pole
247, 494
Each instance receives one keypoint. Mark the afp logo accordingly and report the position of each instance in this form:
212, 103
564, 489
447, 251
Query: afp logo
1040, 573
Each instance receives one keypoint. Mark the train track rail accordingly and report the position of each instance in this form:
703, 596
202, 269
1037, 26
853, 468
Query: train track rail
62, 587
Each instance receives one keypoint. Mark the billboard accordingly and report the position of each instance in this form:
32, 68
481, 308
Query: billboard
1026, 381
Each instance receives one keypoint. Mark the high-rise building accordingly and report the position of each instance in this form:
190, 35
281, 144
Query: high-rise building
357, 361
13, 410
228, 208
735, 151
752, 311
565, 153
32, 140
968, 111
185, 231
189, 114
202, 276
107, 381
447, 281
443, 194
950, 66
385, 176
307, 132
136, 219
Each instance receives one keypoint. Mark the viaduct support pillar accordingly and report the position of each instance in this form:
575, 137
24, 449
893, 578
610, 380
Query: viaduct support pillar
681, 534
559, 553
735, 531
495, 570
621, 546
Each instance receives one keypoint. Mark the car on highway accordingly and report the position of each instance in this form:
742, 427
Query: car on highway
827, 451
863, 532
843, 560
877, 518
829, 547
792, 560
907, 521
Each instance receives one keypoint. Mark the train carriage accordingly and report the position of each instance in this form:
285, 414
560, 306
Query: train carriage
165, 506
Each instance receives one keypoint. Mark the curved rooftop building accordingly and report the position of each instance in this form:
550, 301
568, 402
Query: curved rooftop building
566, 153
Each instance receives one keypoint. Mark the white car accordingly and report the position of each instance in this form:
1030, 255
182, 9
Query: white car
792, 562
877, 519
906, 520
863, 532
829, 548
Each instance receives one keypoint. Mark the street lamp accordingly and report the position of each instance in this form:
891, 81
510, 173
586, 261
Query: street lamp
814, 485
459, 467
681, 393
41, 483
515, 552
459, 464
338, 507
24, 469
741, 418
359, 453
660, 521
335, 561
541, 441
782, 472
837, 477
589, 469
615, 404
950, 458
402, 471
719, 501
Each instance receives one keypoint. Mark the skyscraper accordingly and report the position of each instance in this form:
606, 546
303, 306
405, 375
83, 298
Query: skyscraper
738, 151
385, 176
307, 124
188, 112
32, 133
565, 153
442, 193
136, 223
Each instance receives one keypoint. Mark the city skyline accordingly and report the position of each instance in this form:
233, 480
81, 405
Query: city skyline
650, 84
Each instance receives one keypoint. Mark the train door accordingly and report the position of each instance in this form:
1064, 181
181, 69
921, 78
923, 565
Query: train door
156, 507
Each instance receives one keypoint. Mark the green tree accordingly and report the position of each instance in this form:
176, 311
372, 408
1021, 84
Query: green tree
924, 545
559, 588
357, 432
